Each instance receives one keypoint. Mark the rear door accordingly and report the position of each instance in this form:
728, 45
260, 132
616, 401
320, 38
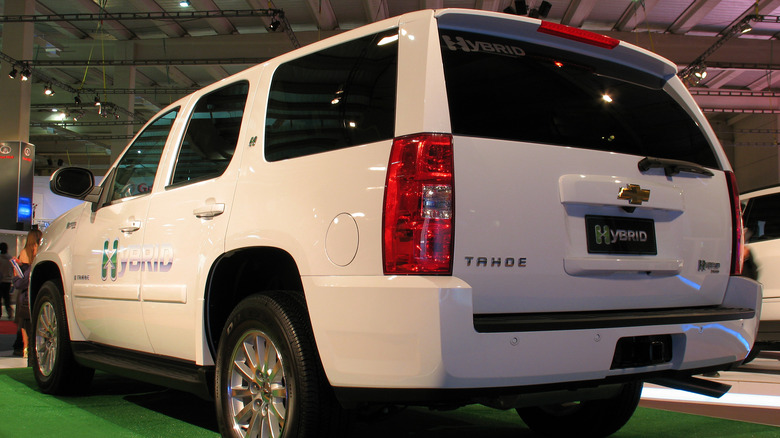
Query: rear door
187, 221
560, 205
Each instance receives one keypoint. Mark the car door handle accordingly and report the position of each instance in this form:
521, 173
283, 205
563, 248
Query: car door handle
209, 211
132, 226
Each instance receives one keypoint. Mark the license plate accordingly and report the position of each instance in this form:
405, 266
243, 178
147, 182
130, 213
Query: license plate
620, 235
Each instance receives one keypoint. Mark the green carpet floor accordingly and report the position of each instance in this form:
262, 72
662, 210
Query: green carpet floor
119, 408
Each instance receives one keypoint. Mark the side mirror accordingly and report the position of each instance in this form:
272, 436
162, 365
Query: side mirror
74, 182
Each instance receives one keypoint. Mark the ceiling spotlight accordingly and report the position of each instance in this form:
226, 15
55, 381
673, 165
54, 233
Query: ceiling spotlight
12, 73
26, 73
747, 28
97, 100
274, 25
47, 90
77, 100
696, 74
184, 3
700, 71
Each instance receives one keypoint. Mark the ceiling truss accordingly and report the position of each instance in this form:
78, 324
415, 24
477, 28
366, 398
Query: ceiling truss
170, 51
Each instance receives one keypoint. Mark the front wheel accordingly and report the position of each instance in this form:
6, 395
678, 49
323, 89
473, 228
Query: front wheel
585, 419
54, 367
269, 381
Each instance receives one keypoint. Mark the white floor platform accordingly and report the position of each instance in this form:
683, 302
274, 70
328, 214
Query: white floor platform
754, 394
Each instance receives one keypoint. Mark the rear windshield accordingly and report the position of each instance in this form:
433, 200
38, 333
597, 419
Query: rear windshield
515, 90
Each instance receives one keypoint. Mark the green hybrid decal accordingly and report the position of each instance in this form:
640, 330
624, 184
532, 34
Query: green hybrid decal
109, 260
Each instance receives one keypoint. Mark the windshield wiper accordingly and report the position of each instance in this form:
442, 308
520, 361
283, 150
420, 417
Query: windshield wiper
672, 167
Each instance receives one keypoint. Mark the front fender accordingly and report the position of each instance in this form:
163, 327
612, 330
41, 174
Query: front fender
53, 261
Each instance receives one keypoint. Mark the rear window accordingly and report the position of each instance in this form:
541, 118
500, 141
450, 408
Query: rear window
338, 97
762, 218
519, 91
212, 134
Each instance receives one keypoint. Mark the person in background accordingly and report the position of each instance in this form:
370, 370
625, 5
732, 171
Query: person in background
25, 259
6, 274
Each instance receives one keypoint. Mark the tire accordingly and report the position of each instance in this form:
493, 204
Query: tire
283, 392
51, 357
586, 419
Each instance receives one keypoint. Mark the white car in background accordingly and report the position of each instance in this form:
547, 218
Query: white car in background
761, 212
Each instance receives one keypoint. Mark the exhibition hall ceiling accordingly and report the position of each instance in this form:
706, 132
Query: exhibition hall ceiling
137, 56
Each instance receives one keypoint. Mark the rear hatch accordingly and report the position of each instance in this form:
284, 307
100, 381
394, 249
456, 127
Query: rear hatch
583, 180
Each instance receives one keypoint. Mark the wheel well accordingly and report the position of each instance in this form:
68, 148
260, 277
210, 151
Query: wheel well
241, 273
43, 272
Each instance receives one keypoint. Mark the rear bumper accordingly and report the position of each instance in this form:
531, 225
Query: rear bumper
419, 333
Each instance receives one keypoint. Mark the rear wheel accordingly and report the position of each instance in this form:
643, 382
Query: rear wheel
269, 381
586, 419
51, 357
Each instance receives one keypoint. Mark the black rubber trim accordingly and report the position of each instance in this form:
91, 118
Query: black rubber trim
455, 397
158, 370
536, 322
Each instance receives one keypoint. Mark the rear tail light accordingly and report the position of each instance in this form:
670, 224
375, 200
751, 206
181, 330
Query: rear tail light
418, 209
576, 34
738, 235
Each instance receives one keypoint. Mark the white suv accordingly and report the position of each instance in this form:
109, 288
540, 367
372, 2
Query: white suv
761, 209
441, 208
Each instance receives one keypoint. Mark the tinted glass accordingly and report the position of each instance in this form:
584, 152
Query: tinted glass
514, 90
762, 218
339, 97
212, 134
135, 171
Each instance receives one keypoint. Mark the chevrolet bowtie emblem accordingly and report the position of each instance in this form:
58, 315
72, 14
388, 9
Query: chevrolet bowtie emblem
634, 194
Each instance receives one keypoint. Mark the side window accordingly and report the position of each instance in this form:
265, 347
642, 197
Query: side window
336, 98
135, 172
762, 218
212, 134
